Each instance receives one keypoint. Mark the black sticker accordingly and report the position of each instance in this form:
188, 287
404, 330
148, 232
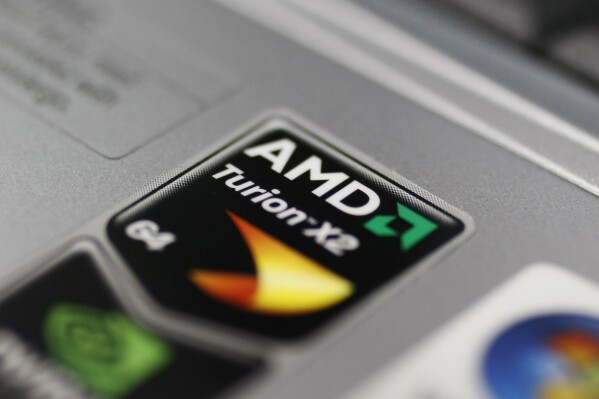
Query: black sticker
276, 234
64, 336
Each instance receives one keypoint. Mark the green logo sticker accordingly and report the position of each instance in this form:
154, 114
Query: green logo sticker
105, 350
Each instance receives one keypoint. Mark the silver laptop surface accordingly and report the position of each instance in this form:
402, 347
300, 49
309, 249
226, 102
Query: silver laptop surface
299, 199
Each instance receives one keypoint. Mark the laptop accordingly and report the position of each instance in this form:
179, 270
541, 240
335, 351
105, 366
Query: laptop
299, 199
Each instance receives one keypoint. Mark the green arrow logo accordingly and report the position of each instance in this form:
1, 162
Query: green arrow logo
421, 227
379, 226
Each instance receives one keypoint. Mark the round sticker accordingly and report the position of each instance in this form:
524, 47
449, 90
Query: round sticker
553, 356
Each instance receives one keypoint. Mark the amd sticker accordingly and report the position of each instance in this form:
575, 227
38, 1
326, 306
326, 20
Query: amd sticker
277, 233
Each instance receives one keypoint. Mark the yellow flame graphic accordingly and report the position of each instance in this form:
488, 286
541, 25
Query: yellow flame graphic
286, 282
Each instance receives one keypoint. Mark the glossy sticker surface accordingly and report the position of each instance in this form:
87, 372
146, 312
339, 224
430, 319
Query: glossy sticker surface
276, 234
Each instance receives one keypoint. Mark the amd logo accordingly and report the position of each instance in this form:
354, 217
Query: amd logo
279, 153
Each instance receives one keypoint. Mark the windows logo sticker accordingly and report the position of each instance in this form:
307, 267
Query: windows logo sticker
286, 282
550, 356
106, 351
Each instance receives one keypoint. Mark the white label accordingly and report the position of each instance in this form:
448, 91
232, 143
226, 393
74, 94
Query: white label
457, 361
99, 74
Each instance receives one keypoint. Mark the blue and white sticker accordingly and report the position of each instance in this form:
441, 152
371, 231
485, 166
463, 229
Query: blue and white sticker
534, 337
